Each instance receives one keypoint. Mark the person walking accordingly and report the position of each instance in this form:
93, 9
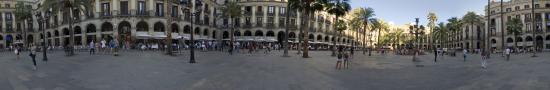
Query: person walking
339, 57
92, 47
435, 54
33, 56
17, 52
465, 52
483, 59
507, 52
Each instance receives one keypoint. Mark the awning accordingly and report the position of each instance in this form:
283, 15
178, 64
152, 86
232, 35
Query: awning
142, 35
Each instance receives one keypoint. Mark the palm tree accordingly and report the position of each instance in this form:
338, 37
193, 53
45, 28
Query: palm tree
365, 14
355, 23
454, 26
23, 12
381, 26
341, 26
308, 8
514, 27
232, 10
432, 19
71, 7
337, 8
471, 18
440, 34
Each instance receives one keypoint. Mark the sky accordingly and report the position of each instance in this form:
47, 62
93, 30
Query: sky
400, 12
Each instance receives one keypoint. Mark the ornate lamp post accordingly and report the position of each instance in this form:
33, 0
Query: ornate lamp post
41, 23
187, 6
416, 30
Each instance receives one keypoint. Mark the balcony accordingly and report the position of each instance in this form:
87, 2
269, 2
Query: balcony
259, 25
247, 25
247, 13
282, 14
270, 25
282, 24
259, 13
105, 14
271, 14
141, 13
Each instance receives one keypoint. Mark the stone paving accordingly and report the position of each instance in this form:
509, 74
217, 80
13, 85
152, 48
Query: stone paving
220, 71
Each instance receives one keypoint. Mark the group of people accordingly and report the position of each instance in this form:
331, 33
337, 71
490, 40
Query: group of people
486, 55
255, 47
103, 46
32, 53
343, 58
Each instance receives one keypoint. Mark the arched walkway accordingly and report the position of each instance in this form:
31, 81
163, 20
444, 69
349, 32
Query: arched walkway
124, 33
280, 35
237, 33
142, 26
225, 35
205, 32
77, 30
90, 28
158, 27
271, 33
197, 31
510, 40
187, 29
259, 33
66, 31
106, 27
30, 38
247, 33
175, 28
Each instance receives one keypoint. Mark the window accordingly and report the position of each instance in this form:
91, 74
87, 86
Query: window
527, 17
537, 6
547, 5
7, 6
270, 20
160, 9
247, 21
526, 6
517, 8
259, 9
174, 11
141, 8
508, 9
259, 21
282, 22
124, 8
282, 10
8, 16
271, 9
106, 9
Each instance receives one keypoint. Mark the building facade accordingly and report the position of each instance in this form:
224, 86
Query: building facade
530, 36
152, 21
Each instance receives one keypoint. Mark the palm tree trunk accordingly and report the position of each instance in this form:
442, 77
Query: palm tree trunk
305, 54
168, 30
71, 38
285, 42
365, 37
232, 37
334, 40
378, 38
